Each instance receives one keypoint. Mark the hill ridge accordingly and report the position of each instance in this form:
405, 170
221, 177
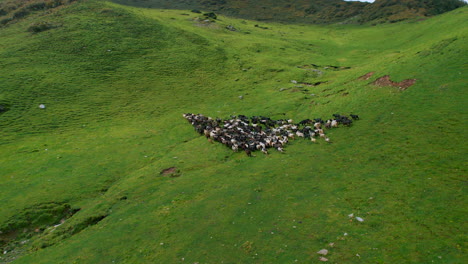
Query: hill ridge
312, 11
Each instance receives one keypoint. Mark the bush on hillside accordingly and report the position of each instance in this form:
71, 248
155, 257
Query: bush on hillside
4, 108
40, 26
210, 15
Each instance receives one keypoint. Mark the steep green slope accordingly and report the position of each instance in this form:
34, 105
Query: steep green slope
115, 82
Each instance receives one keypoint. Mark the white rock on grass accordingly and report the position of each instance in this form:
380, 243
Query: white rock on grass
323, 252
42, 106
359, 219
323, 259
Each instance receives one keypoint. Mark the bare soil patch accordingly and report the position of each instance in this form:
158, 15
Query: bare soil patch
385, 81
171, 172
366, 76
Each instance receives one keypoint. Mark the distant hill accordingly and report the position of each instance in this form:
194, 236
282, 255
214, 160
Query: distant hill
396, 10
311, 11
287, 11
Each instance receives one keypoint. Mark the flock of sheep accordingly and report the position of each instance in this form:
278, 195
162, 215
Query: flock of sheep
260, 133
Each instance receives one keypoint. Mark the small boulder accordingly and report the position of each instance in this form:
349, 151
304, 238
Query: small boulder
231, 28
323, 259
323, 252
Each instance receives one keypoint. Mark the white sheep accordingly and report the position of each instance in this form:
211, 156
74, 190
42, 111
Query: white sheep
334, 123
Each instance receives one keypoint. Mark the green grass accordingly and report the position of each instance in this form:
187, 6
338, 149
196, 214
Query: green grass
115, 81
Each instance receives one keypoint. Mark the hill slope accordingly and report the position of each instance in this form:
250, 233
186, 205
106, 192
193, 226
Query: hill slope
311, 11
81, 178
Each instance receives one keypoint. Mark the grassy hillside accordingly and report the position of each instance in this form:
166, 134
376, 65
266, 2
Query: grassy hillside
315, 11
311, 11
81, 178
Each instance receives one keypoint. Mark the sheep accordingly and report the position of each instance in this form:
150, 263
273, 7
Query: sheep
299, 134
248, 134
235, 147
334, 123
305, 121
248, 152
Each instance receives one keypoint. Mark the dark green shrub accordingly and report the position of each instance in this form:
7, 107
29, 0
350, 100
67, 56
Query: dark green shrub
36, 6
40, 26
20, 14
5, 21
210, 15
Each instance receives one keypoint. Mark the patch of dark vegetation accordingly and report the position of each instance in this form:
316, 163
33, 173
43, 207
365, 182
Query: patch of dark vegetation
260, 133
171, 172
210, 15
87, 222
68, 230
385, 81
257, 26
313, 84
41, 26
20, 14
38, 217
299, 89
324, 67
12, 10
337, 92
5, 21
4, 108
33, 221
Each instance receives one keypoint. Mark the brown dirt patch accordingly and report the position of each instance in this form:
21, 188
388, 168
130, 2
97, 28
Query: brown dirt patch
366, 76
385, 81
172, 172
